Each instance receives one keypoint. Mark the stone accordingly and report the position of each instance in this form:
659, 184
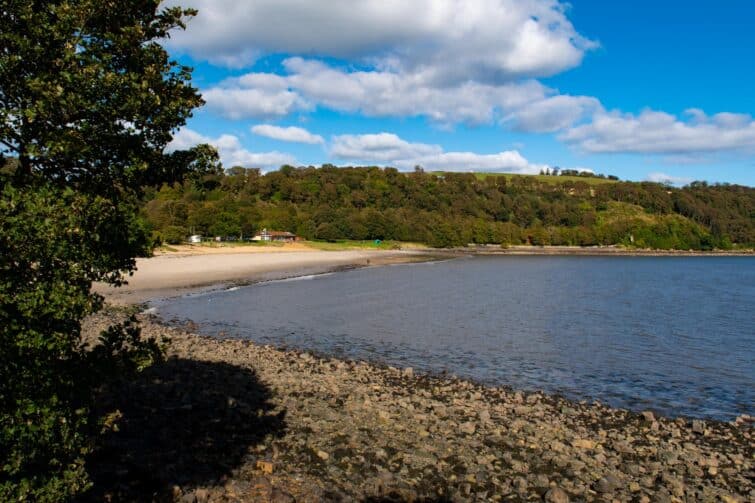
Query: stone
648, 416
265, 466
280, 496
484, 416
607, 484
323, 455
408, 372
468, 428
556, 495
583, 443
203, 495
698, 426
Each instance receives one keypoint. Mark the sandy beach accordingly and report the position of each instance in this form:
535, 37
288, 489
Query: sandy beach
227, 420
193, 268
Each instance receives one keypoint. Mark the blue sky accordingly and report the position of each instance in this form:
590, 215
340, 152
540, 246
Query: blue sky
643, 90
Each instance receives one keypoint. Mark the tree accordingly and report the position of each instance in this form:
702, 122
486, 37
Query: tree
88, 102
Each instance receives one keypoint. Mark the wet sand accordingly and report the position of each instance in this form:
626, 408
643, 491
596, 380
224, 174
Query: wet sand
184, 271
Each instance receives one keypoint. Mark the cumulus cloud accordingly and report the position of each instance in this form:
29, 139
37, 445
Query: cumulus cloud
553, 113
653, 132
389, 149
232, 153
291, 134
378, 147
258, 95
486, 39
452, 61
668, 179
528, 105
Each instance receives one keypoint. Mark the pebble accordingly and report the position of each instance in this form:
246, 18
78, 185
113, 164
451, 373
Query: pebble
556, 495
374, 432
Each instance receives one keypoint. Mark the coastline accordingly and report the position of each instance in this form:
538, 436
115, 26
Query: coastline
174, 274
296, 426
190, 269
590, 251
291, 426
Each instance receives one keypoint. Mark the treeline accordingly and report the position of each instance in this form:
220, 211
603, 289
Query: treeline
575, 172
452, 209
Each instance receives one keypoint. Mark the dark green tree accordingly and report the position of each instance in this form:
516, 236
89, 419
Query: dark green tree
89, 100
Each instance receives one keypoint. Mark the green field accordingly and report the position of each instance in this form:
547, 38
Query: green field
350, 244
554, 180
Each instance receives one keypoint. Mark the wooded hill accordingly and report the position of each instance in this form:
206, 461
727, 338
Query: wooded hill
453, 209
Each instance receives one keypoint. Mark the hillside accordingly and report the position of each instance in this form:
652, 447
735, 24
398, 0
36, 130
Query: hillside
453, 209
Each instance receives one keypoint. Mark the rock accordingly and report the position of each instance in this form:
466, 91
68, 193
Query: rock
265, 466
648, 416
520, 484
280, 496
484, 416
556, 495
468, 428
698, 426
607, 484
323, 455
583, 443
408, 372
203, 495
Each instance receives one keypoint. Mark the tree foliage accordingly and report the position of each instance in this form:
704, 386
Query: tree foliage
453, 209
88, 102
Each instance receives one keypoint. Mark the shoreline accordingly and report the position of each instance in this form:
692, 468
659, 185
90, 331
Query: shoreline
343, 429
592, 251
289, 425
171, 275
195, 269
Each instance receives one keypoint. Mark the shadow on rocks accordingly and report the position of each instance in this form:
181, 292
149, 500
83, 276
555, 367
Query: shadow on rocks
184, 423
398, 498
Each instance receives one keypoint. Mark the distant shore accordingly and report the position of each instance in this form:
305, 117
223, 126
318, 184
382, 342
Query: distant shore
596, 251
189, 269
184, 269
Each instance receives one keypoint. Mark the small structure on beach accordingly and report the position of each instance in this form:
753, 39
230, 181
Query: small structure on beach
284, 236
195, 238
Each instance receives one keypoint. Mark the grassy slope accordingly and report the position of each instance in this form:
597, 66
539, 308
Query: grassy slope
542, 178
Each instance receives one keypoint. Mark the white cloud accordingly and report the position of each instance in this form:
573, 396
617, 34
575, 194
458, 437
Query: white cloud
528, 105
389, 149
509, 161
653, 132
553, 113
485, 39
291, 134
668, 179
378, 147
258, 95
232, 153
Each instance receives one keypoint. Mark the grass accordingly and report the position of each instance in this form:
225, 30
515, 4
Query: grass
553, 180
359, 245
315, 245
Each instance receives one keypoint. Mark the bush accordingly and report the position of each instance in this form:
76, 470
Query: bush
69, 216
175, 234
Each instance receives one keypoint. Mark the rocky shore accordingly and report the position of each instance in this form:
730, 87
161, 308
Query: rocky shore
228, 420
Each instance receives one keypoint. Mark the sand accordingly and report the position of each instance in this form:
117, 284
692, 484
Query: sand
180, 272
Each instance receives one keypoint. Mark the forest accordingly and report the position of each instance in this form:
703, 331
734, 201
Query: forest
452, 209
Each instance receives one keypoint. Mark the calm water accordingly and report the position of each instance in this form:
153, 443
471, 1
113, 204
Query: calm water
676, 335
